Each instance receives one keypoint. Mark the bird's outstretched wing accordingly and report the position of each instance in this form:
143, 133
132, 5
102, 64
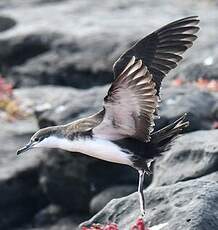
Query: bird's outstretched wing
160, 51
129, 105
131, 102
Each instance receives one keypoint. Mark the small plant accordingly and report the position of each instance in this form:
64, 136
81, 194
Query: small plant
140, 225
8, 104
210, 85
101, 227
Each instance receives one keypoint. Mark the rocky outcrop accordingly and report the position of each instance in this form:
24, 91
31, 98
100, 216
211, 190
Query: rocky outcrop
183, 190
185, 205
191, 156
75, 43
198, 104
101, 199
78, 43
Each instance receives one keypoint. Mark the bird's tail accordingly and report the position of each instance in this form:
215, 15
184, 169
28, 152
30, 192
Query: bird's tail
163, 137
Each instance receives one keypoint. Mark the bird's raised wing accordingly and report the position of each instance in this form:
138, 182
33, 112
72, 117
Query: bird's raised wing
129, 105
160, 51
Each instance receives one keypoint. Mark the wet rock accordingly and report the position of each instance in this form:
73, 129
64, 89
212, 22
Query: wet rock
191, 156
100, 200
185, 205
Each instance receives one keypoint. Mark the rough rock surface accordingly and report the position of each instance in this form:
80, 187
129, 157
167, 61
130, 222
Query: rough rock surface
61, 172
76, 45
192, 155
187, 205
21, 196
101, 199
198, 104
65, 175
89, 36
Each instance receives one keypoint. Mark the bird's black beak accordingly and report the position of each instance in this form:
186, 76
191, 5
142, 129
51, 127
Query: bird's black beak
25, 148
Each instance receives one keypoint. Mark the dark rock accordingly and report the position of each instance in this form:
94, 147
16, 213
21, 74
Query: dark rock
6, 23
77, 177
114, 174
18, 50
186, 205
100, 200
188, 99
191, 156
65, 181
21, 195
91, 41
65, 223
215, 111
48, 216
62, 68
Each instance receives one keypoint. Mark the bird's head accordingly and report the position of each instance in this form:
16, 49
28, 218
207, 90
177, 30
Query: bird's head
43, 138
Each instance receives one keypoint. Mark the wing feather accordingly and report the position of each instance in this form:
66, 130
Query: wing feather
132, 99
161, 50
129, 105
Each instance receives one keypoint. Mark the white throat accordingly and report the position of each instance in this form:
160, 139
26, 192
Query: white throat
94, 147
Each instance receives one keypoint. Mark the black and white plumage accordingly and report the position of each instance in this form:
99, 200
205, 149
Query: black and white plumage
122, 132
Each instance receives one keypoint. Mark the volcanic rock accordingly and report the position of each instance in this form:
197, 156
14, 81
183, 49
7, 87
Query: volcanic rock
185, 205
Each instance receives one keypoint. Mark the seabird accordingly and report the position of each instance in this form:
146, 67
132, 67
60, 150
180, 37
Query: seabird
123, 131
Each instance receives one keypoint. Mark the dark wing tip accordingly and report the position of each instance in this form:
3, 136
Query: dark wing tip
161, 50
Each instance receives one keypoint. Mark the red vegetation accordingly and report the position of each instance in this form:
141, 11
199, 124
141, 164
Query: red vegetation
8, 103
5, 89
211, 85
177, 82
215, 125
140, 225
101, 227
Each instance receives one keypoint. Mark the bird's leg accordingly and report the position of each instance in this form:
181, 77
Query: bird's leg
140, 192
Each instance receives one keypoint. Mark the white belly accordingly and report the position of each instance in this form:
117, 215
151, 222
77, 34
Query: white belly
95, 147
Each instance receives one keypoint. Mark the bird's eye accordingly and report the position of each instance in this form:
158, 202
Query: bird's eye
36, 139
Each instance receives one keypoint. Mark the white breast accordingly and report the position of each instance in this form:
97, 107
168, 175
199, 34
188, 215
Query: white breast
95, 147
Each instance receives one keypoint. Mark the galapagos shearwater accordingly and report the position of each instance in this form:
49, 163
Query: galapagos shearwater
123, 131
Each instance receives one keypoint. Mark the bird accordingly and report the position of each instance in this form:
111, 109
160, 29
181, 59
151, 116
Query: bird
123, 130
